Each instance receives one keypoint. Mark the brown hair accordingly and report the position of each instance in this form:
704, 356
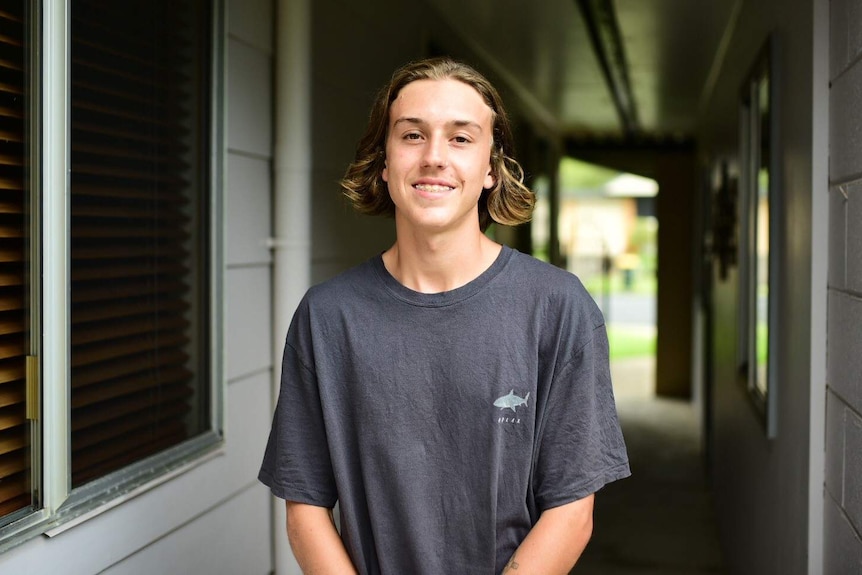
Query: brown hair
509, 202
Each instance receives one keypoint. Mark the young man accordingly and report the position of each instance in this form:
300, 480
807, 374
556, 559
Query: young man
453, 395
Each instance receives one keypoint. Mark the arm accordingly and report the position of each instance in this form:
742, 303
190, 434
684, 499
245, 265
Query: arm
556, 541
314, 540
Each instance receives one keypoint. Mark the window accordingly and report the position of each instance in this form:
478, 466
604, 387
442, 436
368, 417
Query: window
15, 432
135, 383
759, 243
138, 232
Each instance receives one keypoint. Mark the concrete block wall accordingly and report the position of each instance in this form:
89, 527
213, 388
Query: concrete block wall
843, 489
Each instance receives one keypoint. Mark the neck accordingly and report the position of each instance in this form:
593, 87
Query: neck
439, 262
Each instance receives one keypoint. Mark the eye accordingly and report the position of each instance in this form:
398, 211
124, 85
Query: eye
412, 136
461, 139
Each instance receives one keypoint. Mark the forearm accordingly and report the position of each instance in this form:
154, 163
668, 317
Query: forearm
315, 542
556, 542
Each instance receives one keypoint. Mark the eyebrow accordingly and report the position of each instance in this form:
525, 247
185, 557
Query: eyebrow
455, 123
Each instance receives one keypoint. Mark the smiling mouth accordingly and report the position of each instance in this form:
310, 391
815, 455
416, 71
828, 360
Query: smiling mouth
433, 188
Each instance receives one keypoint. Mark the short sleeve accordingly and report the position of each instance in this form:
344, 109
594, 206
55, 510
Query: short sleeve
296, 464
580, 447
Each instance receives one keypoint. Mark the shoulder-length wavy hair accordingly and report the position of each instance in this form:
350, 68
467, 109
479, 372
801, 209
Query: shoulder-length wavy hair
509, 202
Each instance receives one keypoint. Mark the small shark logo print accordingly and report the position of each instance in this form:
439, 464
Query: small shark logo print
511, 401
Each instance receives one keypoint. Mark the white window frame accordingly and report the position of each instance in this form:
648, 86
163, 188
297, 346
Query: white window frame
59, 506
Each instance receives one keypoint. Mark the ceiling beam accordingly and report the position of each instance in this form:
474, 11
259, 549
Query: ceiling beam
601, 20
574, 144
641, 155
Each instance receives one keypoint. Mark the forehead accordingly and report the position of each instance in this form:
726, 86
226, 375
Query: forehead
440, 100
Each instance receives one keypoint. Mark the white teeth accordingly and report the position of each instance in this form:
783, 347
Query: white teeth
432, 188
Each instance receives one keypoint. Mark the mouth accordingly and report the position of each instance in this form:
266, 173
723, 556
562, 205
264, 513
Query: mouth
433, 188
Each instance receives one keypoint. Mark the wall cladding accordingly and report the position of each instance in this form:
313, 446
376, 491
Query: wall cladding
853, 246
843, 493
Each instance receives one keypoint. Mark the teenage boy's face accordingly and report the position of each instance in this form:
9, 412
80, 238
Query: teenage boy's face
438, 155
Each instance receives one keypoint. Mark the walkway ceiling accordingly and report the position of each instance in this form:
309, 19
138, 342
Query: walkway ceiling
601, 70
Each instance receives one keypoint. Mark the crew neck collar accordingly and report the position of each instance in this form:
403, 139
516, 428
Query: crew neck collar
440, 299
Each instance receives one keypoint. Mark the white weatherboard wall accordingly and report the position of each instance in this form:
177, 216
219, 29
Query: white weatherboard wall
215, 518
843, 494
764, 488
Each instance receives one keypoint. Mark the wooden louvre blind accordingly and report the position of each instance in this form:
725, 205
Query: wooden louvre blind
15, 451
139, 148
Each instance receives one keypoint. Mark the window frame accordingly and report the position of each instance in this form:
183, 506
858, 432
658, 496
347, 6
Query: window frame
58, 506
761, 388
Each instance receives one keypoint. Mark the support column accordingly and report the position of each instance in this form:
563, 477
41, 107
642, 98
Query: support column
291, 201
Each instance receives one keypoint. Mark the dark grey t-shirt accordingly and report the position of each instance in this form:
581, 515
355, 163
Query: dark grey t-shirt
444, 424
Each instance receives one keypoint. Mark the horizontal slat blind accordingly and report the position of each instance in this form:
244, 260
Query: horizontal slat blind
15, 451
139, 119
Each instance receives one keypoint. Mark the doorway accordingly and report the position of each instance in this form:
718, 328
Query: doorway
608, 236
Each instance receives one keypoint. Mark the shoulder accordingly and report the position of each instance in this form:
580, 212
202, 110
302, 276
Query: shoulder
329, 305
346, 285
542, 272
549, 281
331, 297
561, 302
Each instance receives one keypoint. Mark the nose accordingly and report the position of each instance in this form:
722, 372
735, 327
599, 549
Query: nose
436, 152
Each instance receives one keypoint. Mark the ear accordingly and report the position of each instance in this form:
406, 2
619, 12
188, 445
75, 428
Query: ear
490, 180
385, 173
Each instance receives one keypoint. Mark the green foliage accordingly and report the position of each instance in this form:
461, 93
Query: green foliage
575, 174
628, 342
644, 283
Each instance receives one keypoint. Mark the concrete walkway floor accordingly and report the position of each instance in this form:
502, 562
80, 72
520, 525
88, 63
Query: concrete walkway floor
659, 521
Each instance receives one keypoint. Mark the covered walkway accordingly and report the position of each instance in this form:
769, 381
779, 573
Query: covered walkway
660, 521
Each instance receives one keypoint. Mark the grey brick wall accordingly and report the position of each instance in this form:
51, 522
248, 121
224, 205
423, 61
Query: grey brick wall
843, 489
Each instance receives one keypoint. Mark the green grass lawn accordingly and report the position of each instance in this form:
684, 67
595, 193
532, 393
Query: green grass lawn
628, 342
643, 283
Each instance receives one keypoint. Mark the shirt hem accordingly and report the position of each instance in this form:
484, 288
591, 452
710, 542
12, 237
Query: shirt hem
292, 494
615, 473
